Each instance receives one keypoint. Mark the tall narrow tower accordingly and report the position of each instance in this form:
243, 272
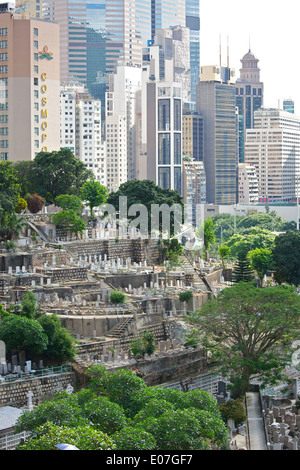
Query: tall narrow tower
249, 95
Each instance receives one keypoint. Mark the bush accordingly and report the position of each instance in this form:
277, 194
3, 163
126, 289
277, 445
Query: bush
186, 296
117, 297
143, 345
235, 410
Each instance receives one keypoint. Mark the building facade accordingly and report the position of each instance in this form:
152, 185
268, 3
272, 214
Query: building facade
30, 87
80, 129
273, 148
249, 96
164, 134
194, 188
247, 184
192, 20
215, 101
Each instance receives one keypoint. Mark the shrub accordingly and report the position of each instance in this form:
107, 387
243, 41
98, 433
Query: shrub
117, 297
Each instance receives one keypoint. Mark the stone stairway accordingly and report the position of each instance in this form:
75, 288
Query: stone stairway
119, 329
200, 278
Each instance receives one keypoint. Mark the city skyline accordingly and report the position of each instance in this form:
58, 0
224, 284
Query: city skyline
268, 28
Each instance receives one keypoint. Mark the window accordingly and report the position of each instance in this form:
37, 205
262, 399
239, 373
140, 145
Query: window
4, 144
3, 56
3, 68
4, 118
3, 31
35, 44
35, 32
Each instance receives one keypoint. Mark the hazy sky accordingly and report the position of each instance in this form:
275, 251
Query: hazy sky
273, 27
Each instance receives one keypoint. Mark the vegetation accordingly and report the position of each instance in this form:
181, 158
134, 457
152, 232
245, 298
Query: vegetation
249, 331
242, 271
95, 194
143, 345
117, 297
22, 328
119, 411
186, 296
286, 255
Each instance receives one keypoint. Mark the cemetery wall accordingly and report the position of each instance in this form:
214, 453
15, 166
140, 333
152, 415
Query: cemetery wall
15, 393
137, 250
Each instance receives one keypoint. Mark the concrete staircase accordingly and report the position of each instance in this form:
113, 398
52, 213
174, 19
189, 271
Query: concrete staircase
118, 330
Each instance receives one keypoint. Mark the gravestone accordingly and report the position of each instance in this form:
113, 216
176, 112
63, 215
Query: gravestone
2, 353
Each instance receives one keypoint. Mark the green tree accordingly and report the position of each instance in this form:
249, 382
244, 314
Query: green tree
9, 187
82, 437
106, 416
186, 296
130, 438
29, 305
147, 193
144, 344
187, 429
12, 226
286, 255
58, 172
23, 334
242, 271
70, 202
23, 171
69, 220
209, 235
249, 331
250, 239
95, 194
261, 261
235, 410
61, 344
224, 252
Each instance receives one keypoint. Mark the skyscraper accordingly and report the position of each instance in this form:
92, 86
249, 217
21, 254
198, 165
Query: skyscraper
192, 11
29, 87
273, 148
216, 102
249, 95
166, 13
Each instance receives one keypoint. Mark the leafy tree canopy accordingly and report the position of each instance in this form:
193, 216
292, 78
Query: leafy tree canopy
249, 331
58, 172
286, 255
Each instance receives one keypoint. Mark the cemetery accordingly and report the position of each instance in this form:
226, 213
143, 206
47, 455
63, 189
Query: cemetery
75, 278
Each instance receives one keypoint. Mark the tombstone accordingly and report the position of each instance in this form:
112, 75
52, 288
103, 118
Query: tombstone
10, 270
69, 390
109, 356
29, 400
2, 352
28, 366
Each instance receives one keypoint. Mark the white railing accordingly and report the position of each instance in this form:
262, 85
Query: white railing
10, 440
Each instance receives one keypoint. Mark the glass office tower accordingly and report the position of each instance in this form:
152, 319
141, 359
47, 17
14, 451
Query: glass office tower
166, 13
192, 8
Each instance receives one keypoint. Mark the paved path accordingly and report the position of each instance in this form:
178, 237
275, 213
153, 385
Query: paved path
257, 440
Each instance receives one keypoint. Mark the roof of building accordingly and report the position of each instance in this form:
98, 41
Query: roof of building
249, 56
9, 416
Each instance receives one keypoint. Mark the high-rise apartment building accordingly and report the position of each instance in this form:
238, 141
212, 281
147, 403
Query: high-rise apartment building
249, 95
273, 148
29, 8
216, 103
121, 125
194, 188
174, 57
30, 86
247, 184
164, 134
166, 13
80, 129
192, 136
